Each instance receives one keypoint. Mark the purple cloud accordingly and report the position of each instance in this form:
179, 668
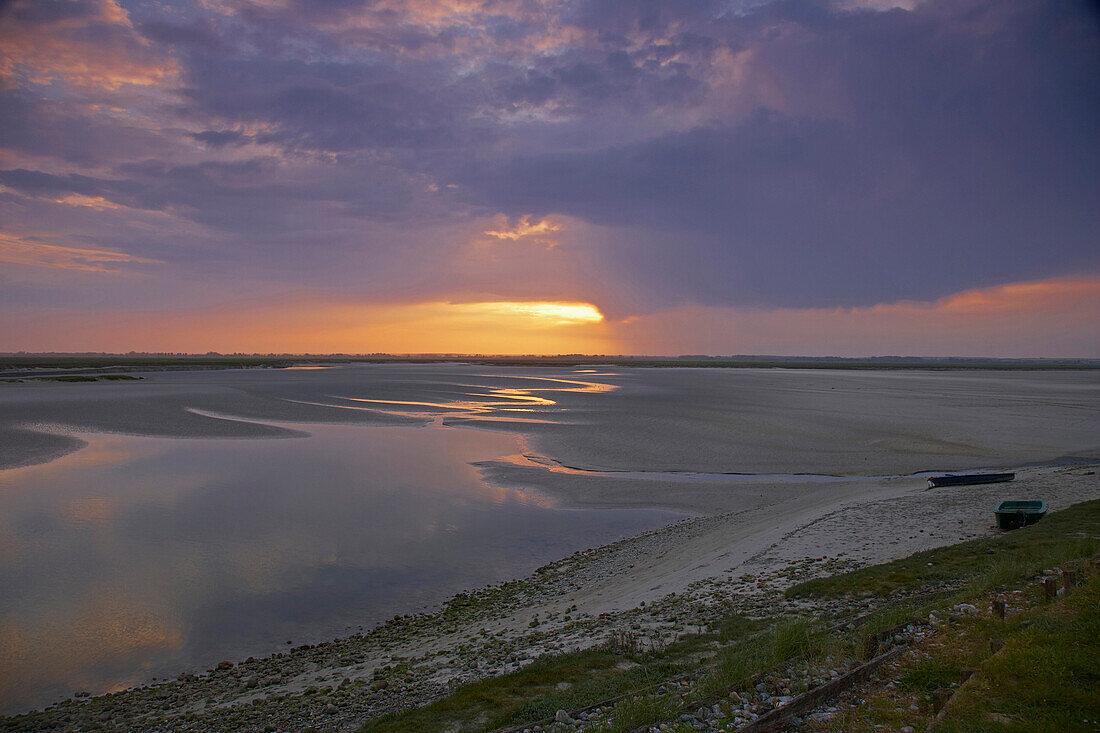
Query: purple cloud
759, 153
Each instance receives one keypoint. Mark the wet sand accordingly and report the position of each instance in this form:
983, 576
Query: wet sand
770, 421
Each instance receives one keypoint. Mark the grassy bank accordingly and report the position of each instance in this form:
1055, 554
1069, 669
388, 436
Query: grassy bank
1034, 670
1039, 661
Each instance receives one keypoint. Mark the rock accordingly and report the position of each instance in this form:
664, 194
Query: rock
908, 729
734, 697
225, 665
562, 717
331, 709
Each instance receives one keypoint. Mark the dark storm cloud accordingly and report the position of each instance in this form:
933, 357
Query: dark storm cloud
967, 156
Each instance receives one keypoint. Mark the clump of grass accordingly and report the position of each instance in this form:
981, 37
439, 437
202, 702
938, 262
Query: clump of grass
635, 712
795, 639
931, 674
783, 642
734, 626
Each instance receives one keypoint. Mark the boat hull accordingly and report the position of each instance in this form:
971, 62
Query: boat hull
1016, 514
966, 480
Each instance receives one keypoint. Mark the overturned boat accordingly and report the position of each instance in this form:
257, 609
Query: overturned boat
969, 478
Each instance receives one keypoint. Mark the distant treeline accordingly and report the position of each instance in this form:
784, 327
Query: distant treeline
22, 364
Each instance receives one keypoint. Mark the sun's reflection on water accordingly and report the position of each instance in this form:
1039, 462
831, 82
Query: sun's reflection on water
495, 399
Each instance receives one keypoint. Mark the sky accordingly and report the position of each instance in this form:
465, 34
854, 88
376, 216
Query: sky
815, 177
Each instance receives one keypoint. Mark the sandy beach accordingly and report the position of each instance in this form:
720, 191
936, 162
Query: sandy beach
779, 476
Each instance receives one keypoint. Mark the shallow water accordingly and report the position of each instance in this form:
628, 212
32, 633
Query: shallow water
277, 505
137, 557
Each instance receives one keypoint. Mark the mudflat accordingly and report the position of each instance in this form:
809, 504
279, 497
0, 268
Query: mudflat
768, 468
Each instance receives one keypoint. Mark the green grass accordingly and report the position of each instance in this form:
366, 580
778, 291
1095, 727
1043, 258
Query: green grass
589, 676
532, 693
635, 712
1045, 679
1061, 536
742, 659
932, 674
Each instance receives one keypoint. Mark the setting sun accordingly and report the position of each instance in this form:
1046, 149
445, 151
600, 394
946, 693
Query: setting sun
539, 313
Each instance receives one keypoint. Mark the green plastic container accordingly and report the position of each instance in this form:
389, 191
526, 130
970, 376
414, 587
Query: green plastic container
1016, 514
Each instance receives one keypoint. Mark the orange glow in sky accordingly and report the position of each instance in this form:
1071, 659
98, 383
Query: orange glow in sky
490, 327
1058, 317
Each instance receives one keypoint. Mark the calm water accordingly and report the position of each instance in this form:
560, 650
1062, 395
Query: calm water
138, 557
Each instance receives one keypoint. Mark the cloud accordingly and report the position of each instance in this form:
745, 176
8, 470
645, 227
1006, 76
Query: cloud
31, 253
1055, 318
719, 155
84, 43
937, 156
92, 202
523, 228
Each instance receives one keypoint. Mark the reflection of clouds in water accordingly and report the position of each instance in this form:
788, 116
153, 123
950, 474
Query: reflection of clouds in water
176, 526
90, 509
70, 647
211, 548
100, 449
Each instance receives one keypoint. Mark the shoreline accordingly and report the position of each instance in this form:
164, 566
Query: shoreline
656, 586
781, 476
